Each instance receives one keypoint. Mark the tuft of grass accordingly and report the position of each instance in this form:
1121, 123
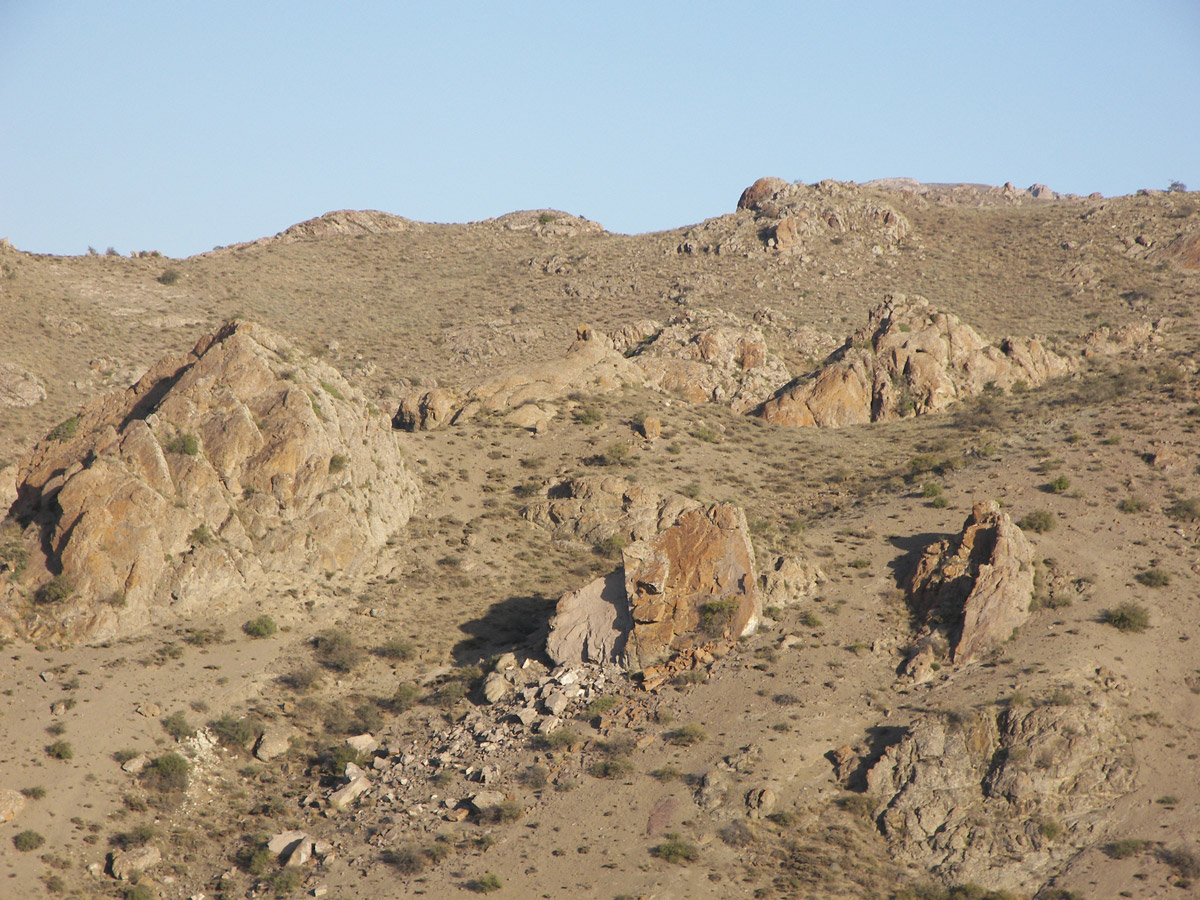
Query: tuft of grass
716, 615
1059, 485
485, 884
260, 627
34, 793
1039, 521
396, 649
407, 859
811, 620
588, 415
612, 546
234, 732
201, 537
611, 767
64, 430
176, 725
666, 774
1132, 505
332, 390
1128, 617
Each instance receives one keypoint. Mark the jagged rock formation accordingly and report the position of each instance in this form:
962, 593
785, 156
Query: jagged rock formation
909, 359
789, 579
967, 798
971, 591
547, 223
591, 363
1184, 252
776, 215
346, 222
708, 356
220, 467
593, 509
690, 585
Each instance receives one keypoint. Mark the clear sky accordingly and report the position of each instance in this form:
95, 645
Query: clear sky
178, 126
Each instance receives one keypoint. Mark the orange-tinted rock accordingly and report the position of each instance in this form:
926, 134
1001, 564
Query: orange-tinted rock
236, 461
761, 190
909, 359
975, 589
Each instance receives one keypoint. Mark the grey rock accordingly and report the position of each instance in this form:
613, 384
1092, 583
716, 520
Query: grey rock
128, 864
273, 742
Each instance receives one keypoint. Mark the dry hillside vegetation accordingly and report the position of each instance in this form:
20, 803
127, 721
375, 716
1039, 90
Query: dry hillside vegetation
844, 545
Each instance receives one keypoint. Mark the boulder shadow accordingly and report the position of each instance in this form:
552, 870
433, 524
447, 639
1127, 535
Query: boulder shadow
514, 624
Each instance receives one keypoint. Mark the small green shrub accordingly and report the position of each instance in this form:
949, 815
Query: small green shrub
1132, 505
201, 537
1128, 617
931, 490
675, 850
167, 774
406, 859
34, 793
716, 615
811, 620
55, 590
337, 650
611, 767
686, 735
562, 739
706, 434
397, 649
338, 463
406, 697
666, 774
485, 884
612, 546
1185, 510
169, 276
1039, 521
60, 750
1059, 485
301, 680
260, 627
1153, 577
1185, 863
587, 415
185, 444
534, 777
176, 725
600, 706
1125, 848
64, 430
501, 814
234, 732
26, 841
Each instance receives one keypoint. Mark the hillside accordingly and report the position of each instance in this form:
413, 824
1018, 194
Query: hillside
876, 508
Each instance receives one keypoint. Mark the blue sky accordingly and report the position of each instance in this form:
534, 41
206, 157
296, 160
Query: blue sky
179, 126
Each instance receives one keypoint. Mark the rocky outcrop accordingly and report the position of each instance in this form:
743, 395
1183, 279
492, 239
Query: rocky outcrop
688, 586
708, 356
972, 591
909, 359
594, 509
790, 579
547, 223
346, 222
591, 363
19, 388
966, 797
1184, 252
1136, 339
237, 461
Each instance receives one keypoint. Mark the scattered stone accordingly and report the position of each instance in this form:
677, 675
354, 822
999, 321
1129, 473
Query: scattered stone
284, 842
362, 743
760, 802
149, 710
485, 800
136, 765
556, 704
342, 798
18, 388
495, 686
789, 580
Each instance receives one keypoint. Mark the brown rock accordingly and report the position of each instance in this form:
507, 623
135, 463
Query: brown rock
218, 469
19, 388
761, 190
789, 580
129, 864
426, 410
595, 508
909, 359
1184, 252
11, 804
652, 428
975, 588
690, 584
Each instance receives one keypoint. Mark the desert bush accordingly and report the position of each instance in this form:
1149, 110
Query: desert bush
338, 463
736, 834
611, 767
931, 490
675, 850
1039, 521
260, 627
26, 841
1128, 617
811, 620
406, 859
200, 536
301, 680
534, 777
485, 884
686, 735
60, 750
1183, 861
167, 774
1059, 485
1153, 577
396, 649
706, 434
501, 814
1125, 848
139, 836
55, 590
176, 725
587, 415
1185, 510
716, 615
1132, 505
34, 793
234, 732
600, 706
169, 276
612, 546
13, 555
64, 430
185, 444
666, 774
337, 650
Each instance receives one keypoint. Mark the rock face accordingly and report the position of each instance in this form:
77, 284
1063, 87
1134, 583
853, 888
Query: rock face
11, 803
1184, 252
596, 508
965, 798
690, 585
237, 461
909, 359
711, 357
788, 580
591, 363
972, 591
19, 388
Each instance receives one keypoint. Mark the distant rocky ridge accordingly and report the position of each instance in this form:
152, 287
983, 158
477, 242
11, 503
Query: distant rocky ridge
909, 359
219, 468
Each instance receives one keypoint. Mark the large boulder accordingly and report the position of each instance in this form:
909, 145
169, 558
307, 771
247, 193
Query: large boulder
964, 797
595, 509
974, 590
689, 586
236, 463
909, 359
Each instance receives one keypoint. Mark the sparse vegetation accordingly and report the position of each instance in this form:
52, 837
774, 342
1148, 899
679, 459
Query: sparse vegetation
1059, 485
169, 276
167, 774
27, 841
675, 850
60, 750
686, 735
485, 884
185, 443
337, 650
260, 627
64, 430
1129, 617
1039, 521
1153, 577
55, 590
